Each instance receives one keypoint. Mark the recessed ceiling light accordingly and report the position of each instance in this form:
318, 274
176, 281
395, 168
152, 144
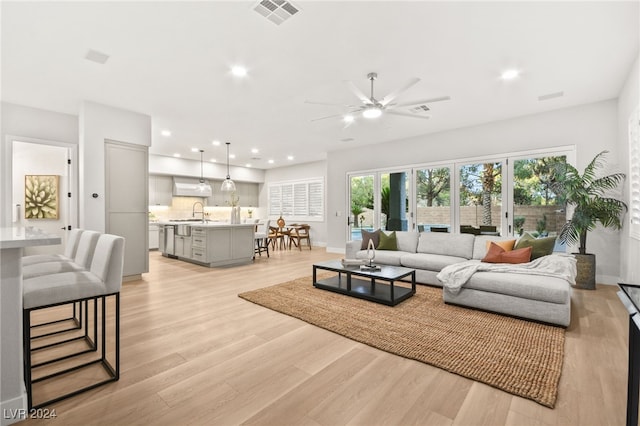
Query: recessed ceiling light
239, 71
216, 143
348, 118
270, 161
289, 157
248, 165
195, 150
254, 151
176, 155
232, 156
510, 74
166, 133
213, 160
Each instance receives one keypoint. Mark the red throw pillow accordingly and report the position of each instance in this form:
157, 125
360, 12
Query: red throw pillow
497, 254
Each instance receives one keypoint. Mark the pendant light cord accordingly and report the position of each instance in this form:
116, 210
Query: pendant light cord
201, 167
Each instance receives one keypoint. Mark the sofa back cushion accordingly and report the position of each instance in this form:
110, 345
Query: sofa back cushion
459, 245
481, 244
407, 241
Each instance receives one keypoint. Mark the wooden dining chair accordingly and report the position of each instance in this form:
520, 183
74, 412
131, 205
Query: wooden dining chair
299, 233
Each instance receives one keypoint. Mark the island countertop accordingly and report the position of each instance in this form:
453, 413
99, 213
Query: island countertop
198, 223
26, 236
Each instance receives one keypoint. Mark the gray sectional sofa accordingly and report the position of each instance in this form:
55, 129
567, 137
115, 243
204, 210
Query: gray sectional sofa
536, 297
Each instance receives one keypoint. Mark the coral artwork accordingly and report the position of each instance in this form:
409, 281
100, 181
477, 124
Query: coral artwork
41, 197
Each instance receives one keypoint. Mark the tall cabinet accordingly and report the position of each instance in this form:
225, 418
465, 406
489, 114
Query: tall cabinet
126, 202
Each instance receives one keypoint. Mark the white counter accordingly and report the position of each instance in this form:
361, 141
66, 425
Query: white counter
12, 242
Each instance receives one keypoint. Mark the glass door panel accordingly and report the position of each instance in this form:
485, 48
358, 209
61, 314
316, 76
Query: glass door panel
536, 208
361, 199
433, 199
480, 208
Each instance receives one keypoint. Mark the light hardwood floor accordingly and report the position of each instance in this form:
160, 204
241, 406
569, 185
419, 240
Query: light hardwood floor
194, 353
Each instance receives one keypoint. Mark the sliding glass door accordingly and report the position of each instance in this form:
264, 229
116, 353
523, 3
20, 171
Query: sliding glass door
486, 196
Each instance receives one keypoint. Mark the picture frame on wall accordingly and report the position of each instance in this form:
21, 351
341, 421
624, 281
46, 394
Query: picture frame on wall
41, 199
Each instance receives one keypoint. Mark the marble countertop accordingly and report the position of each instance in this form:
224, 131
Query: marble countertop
26, 236
201, 224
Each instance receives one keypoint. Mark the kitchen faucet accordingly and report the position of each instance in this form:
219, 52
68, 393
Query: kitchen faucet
193, 210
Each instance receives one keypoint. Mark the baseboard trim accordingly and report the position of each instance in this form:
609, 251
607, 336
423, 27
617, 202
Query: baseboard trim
14, 410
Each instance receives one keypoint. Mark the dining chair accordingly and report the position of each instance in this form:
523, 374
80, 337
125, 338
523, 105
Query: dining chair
298, 234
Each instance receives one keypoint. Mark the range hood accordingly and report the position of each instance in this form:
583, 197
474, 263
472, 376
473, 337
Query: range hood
185, 187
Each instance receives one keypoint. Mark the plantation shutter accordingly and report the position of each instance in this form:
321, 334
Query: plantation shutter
634, 173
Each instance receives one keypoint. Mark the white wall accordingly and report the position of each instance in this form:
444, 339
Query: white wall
628, 100
97, 124
591, 128
31, 123
297, 172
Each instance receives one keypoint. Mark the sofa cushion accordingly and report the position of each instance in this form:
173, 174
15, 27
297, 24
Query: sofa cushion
384, 257
366, 236
497, 254
540, 246
507, 245
534, 287
407, 241
430, 262
388, 241
458, 245
480, 244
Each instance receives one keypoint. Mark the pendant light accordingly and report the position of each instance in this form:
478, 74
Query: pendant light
227, 184
201, 185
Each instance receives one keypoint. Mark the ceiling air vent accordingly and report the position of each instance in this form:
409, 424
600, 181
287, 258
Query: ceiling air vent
277, 11
97, 57
419, 109
550, 96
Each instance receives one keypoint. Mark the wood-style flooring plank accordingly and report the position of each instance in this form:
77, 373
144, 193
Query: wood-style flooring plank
193, 353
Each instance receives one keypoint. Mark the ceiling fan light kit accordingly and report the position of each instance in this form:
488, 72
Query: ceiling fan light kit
372, 108
228, 185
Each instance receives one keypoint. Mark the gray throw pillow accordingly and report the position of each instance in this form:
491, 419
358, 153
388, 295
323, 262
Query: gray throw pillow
366, 236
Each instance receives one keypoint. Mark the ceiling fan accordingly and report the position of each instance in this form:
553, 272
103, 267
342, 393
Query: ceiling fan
373, 108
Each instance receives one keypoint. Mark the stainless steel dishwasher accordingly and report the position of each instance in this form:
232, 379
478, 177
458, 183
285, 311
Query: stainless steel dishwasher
167, 240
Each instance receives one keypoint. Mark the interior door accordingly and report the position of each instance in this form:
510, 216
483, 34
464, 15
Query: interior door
46, 166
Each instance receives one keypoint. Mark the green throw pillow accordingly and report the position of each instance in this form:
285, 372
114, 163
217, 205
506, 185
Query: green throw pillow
539, 246
388, 242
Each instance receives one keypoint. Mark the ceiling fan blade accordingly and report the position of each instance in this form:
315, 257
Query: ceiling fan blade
328, 103
425, 101
328, 116
354, 89
391, 96
403, 114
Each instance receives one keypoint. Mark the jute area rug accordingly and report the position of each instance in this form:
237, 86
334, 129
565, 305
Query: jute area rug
520, 357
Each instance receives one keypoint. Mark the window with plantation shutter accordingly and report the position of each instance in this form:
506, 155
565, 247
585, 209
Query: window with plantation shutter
634, 174
297, 201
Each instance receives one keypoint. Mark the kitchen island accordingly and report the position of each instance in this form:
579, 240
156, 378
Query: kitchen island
209, 244
13, 240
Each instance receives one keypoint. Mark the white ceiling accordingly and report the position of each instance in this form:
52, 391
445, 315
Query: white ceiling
171, 60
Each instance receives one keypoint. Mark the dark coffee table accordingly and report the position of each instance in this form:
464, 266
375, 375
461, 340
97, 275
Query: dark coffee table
376, 286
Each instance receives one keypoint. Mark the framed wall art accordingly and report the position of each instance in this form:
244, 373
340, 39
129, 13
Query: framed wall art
41, 196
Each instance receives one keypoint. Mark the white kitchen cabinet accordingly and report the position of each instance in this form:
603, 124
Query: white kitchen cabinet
183, 246
154, 236
222, 245
160, 190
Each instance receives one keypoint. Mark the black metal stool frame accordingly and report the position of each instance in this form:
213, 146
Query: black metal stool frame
113, 372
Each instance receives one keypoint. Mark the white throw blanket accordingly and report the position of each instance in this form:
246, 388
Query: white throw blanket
453, 277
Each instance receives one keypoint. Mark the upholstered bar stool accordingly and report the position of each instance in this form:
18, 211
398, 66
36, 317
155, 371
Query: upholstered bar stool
101, 281
261, 239
69, 251
82, 256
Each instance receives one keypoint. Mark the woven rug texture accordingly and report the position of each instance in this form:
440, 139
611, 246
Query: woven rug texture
520, 357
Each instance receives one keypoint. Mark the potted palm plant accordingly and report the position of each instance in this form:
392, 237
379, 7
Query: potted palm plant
587, 193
